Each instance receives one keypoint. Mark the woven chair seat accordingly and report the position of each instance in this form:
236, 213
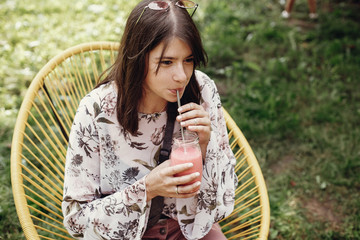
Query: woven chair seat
41, 137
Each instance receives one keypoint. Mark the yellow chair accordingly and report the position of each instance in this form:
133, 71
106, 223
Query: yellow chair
40, 142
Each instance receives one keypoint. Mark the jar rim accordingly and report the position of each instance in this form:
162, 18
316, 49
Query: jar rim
190, 137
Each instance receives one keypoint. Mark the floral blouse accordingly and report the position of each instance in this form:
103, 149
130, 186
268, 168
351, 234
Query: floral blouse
104, 188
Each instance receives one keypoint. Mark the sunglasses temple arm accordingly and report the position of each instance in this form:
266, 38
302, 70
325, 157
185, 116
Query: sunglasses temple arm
196, 6
141, 15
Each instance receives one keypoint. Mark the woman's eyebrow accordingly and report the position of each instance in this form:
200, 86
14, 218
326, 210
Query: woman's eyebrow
172, 58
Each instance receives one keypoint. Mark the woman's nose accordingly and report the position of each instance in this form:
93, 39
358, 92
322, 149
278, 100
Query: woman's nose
179, 73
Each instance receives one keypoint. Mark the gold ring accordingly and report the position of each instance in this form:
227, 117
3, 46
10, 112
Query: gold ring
176, 190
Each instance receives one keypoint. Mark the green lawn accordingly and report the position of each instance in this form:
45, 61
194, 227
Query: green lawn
292, 86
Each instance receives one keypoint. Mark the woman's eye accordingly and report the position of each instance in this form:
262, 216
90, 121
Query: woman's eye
166, 62
189, 60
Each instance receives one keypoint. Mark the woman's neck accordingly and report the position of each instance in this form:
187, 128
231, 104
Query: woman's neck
150, 108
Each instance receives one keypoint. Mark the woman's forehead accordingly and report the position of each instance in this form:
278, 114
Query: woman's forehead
175, 48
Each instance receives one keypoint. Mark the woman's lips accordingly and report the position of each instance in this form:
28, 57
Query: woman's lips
173, 91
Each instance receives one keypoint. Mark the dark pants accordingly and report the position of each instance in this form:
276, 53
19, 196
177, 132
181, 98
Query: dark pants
168, 229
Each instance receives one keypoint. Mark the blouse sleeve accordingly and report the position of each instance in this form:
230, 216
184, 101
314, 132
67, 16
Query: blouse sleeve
88, 214
216, 198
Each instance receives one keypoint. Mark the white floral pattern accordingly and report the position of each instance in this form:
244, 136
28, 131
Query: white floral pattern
104, 188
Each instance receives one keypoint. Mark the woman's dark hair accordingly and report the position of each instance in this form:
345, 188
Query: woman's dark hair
139, 38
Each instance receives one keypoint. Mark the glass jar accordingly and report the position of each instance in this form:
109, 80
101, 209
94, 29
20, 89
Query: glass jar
186, 149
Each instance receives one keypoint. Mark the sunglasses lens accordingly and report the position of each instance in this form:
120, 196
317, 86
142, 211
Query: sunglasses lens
161, 5
186, 4
158, 5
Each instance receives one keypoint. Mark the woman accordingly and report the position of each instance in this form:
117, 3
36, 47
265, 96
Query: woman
112, 175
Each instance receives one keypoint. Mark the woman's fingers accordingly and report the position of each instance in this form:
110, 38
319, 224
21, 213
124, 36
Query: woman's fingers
186, 191
195, 121
195, 118
194, 115
161, 181
172, 170
192, 111
188, 107
180, 180
185, 179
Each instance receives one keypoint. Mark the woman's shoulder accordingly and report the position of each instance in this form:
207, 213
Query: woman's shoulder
104, 91
207, 85
100, 99
202, 77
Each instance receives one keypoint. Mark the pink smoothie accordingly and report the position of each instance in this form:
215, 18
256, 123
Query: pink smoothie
191, 155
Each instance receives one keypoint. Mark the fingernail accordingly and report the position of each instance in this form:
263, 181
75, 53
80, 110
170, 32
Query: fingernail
182, 123
197, 174
179, 117
198, 183
190, 165
180, 109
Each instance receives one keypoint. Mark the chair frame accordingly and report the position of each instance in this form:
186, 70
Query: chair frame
17, 173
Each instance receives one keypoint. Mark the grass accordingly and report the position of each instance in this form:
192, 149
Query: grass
291, 85
293, 88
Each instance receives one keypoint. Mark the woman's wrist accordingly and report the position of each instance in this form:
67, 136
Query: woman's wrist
149, 194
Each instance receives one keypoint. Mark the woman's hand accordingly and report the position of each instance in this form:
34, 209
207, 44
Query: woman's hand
161, 181
196, 119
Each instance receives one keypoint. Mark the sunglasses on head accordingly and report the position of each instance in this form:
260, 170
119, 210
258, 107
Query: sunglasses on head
161, 5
